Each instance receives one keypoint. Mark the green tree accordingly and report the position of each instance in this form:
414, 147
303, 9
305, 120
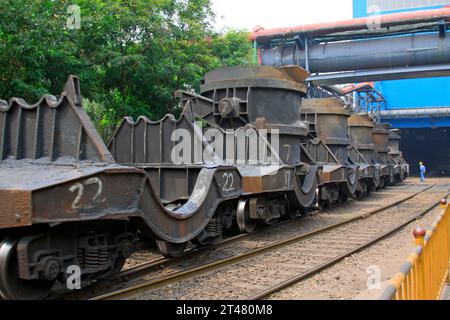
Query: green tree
233, 48
130, 55
32, 40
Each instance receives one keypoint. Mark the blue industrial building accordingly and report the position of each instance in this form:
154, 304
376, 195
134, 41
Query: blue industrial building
412, 43
425, 138
415, 93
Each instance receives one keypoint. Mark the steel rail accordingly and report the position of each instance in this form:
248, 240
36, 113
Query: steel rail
329, 263
190, 273
142, 268
135, 272
163, 261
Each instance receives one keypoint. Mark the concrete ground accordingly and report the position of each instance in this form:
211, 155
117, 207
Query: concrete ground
446, 293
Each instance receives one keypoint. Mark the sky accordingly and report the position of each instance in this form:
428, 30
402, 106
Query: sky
246, 14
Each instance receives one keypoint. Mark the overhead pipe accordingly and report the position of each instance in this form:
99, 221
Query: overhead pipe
385, 21
405, 51
415, 113
334, 89
357, 87
355, 76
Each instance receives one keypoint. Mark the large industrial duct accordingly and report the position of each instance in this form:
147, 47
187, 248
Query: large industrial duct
398, 46
404, 51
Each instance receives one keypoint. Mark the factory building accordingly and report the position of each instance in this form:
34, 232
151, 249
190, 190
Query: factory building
420, 107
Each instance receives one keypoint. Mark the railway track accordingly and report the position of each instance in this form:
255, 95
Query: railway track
313, 251
155, 265
139, 270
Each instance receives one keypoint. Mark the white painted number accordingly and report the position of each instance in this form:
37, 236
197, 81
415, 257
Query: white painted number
99, 184
79, 188
229, 182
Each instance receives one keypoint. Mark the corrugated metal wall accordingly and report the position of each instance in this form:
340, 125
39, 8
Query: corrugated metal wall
391, 5
362, 8
416, 93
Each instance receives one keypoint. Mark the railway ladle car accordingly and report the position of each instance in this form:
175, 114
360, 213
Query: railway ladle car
240, 155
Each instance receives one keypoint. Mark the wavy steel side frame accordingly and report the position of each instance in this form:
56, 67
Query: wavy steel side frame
146, 141
150, 142
50, 129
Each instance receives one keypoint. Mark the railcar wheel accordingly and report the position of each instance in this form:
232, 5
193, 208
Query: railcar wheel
171, 250
11, 286
243, 218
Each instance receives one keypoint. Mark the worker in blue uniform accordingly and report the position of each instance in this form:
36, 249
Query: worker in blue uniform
423, 170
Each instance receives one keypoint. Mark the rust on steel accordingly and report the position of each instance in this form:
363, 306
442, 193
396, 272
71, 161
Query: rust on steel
54, 165
289, 77
36, 131
231, 99
252, 184
328, 119
381, 137
17, 202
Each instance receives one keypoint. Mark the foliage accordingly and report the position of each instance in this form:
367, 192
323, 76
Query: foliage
233, 48
130, 55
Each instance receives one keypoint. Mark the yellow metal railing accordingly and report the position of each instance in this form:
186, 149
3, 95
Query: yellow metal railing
426, 271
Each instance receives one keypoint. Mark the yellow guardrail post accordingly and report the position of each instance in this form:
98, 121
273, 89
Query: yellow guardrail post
446, 208
424, 274
419, 235
447, 214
